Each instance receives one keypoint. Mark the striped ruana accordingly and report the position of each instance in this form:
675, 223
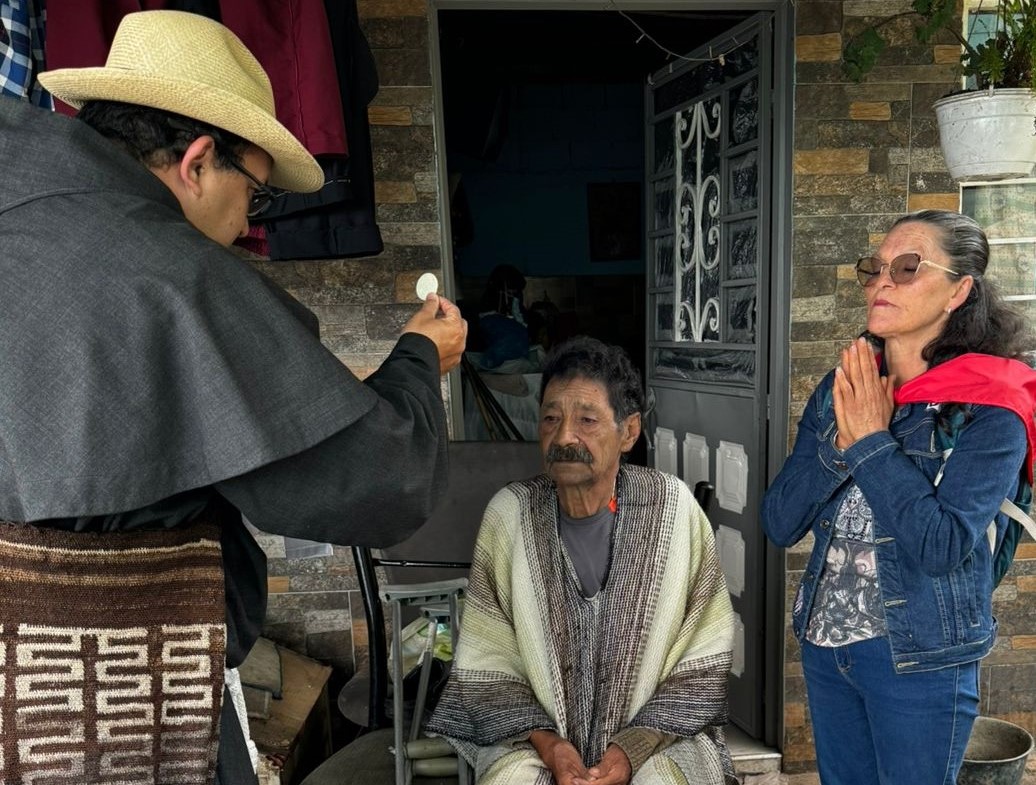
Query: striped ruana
651, 649
111, 655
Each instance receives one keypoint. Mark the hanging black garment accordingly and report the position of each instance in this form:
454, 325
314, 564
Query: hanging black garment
209, 8
338, 220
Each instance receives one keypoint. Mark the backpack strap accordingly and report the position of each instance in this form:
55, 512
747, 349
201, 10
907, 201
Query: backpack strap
946, 441
1008, 507
1013, 511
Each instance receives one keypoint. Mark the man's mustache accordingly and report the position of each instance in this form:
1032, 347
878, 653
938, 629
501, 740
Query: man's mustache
570, 454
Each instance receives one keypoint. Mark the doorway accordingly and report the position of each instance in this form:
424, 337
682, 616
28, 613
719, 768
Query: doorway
544, 154
547, 138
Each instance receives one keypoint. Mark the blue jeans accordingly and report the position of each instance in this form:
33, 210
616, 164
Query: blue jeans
873, 726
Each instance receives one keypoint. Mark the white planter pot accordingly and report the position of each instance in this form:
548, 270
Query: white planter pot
988, 134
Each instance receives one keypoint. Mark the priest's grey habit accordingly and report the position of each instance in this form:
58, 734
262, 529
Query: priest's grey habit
149, 374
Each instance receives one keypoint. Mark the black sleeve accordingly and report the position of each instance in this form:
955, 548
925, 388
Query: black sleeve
372, 483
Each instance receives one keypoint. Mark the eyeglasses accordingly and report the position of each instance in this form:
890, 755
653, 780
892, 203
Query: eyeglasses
902, 269
261, 196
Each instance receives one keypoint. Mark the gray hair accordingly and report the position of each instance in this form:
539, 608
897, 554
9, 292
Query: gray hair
985, 322
608, 365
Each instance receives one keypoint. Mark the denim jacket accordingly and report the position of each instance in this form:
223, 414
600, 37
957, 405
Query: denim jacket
932, 552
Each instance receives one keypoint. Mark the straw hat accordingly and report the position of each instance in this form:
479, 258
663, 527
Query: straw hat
189, 64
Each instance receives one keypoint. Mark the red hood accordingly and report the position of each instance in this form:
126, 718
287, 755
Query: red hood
981, 379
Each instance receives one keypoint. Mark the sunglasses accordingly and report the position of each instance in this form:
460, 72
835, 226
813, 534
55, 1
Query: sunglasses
261, 196
902, 269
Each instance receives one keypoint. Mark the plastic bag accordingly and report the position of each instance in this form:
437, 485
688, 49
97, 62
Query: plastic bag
415, 642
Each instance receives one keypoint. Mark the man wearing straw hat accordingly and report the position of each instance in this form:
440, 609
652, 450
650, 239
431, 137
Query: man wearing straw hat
155, 388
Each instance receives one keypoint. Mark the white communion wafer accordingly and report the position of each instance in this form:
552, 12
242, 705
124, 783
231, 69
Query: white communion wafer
426, 284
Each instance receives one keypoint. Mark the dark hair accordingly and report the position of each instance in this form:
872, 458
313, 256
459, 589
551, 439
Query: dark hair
505, 282
985, 322
156, 137
592, 359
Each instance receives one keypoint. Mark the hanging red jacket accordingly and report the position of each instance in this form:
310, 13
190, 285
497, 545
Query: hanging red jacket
292, 42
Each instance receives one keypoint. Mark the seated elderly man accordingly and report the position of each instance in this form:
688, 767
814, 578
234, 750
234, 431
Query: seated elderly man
597, 632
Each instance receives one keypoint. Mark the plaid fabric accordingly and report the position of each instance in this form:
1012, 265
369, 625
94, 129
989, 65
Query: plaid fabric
22, 34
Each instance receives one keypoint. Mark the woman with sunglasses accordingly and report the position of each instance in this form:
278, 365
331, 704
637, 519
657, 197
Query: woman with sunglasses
893, 611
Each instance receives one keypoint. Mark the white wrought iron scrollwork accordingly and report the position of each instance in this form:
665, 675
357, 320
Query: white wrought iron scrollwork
697, 207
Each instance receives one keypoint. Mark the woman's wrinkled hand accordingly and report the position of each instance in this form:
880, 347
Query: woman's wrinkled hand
863, 399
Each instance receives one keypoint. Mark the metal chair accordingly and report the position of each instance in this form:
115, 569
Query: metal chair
425, 577
704, 493
438, 602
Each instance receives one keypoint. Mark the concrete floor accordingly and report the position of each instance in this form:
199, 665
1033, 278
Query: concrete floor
988, 745
1029, 778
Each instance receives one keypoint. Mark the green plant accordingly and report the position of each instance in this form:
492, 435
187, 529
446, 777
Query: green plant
1004, 60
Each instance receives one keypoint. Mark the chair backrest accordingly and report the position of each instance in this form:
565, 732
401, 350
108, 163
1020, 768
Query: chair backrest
704, 493
477, 470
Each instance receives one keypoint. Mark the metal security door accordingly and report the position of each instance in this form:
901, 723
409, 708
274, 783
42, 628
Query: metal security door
708, 167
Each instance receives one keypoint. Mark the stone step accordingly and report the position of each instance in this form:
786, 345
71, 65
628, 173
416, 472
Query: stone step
749, 755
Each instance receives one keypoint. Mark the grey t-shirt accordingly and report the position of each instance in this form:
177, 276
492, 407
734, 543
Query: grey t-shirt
588, 542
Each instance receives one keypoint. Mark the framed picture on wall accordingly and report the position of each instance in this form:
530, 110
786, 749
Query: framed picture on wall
614, 220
